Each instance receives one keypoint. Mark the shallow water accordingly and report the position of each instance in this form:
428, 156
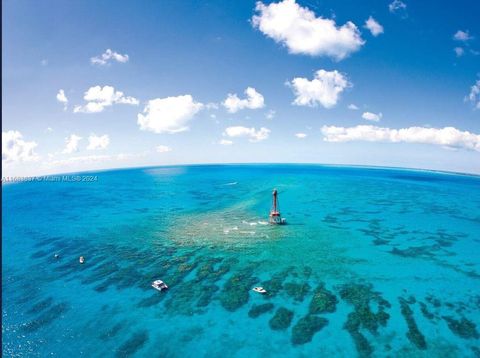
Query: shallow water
374, 262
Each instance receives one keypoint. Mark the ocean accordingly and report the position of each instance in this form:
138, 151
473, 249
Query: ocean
373, 262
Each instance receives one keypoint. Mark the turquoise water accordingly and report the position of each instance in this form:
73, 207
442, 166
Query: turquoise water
374, 262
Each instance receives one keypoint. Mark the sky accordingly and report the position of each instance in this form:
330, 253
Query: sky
92, 85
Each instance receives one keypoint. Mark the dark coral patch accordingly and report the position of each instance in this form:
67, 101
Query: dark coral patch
306, 328
182, 299
112, 331
46, 318
154, 299
361, 296
281, 320
413, 334
40, 306
275, 284
434, 301
39, 254
207, 272
101, 272
258, 310
463, 328
133, 344
207, 295
364, 348
236, 290
323, 301
297, 290
426, 312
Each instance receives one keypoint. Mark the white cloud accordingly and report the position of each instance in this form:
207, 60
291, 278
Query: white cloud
353, 107
100, 97
49, 130
225, 142
270, 114
62, 98
459, 51
446, 137
107, 57
168, 115
374, 27
397, 5
254, 100
252, 133
16, 149
462, 36
474, 95
298, 29
89, 162
324, 89
211, 105
369, 116
300, 135
98, 142
71, 144
44, 62
163, 149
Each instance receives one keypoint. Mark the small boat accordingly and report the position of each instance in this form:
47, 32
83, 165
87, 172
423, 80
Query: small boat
81, 259
56, 256
159, 285
259, 290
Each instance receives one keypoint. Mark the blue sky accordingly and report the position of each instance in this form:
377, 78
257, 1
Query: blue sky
410, 76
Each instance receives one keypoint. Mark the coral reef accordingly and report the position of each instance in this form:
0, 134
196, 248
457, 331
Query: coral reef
258, 310
323, 301
306, 328
413, 334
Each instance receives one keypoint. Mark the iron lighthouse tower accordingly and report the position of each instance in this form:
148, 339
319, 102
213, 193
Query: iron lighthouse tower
275, 216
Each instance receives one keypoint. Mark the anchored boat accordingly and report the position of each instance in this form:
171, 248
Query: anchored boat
159, 285
259, 290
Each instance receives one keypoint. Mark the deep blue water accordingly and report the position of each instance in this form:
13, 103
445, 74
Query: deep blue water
374, 262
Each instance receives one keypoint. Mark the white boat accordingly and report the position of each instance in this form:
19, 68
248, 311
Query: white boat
159, 285
81, 259
259, 290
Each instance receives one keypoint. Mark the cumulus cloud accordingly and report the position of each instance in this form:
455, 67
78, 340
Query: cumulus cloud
72, 142
253, 134
225, 142
88, 162
62, 98
253, 100
270, 114
16, 149
369, 116
474, 95
324, 89
300, 135
98, 98
107, 57
373, 26
462, 36
353, 107
163, 149
459, 51
446, 137
396, 6
98, 142
168, 115
298, 29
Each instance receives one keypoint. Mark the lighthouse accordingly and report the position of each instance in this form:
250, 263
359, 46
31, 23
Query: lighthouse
275, 217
